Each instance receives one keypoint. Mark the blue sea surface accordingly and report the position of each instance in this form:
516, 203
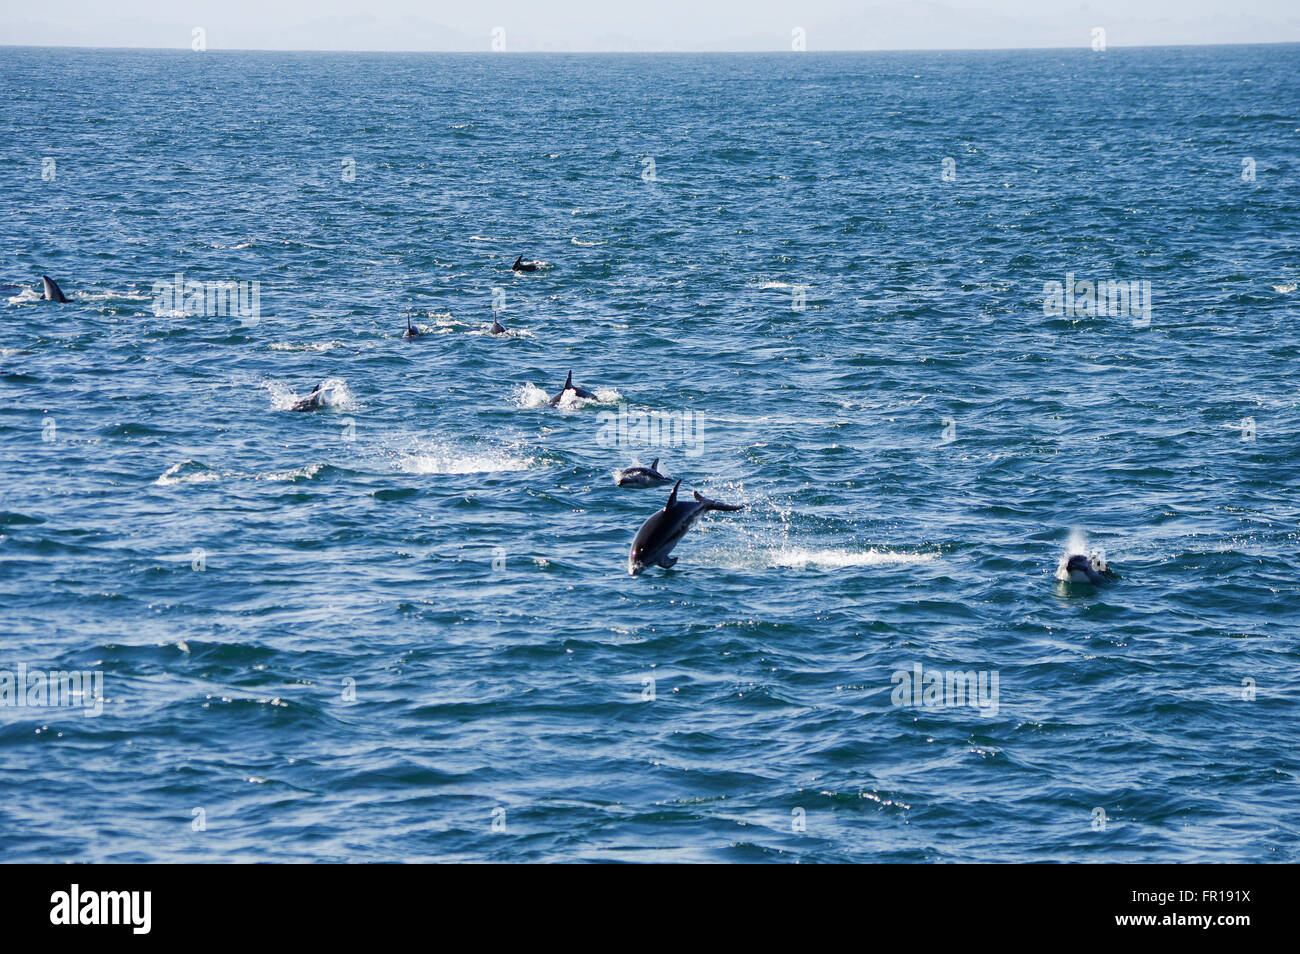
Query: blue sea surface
402, 628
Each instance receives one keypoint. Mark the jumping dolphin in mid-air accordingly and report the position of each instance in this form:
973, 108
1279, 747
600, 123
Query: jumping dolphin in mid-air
521, 266
497, 327
641, 476
665, 528
1080, 568
570, 386
51, 290
323, 395
411, 330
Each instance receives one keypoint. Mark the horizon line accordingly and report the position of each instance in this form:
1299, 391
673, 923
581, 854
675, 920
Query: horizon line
489, 52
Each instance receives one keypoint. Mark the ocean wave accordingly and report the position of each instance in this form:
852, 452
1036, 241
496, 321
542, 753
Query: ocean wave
194, 472
187, 472
314, 346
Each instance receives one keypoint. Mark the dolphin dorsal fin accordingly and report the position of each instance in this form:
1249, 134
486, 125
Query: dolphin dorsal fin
654, 465
672, 497
519, 260
50, 289
568, 383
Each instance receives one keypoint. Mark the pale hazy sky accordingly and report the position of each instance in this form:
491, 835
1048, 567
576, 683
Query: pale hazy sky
613, 25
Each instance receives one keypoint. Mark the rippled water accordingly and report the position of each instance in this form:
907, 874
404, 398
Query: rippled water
402, 627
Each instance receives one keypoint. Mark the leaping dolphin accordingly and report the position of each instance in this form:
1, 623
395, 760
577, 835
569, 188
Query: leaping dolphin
641, 476
521, 266
665, 528
321, 396
570, 386
51, 290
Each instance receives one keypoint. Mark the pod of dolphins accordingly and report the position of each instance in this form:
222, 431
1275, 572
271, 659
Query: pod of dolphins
663, 529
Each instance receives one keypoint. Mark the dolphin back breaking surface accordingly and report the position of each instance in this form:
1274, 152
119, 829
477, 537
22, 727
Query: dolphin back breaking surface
640, 476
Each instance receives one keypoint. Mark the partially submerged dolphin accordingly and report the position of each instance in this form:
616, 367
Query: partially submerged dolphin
665, 528
411, 330
50, 290
570, 386
521, 266
641, 476
497, 327
1081, 568
323, 395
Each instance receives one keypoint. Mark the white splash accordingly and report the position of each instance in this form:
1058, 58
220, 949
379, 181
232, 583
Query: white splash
440, 457
446, 323
311, 470
306, 346
173, 475
530, 395
800, 558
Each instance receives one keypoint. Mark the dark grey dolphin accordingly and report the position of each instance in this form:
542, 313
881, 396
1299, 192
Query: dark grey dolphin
641, 476
1083, 569
411, 331
497, 327
321, 396
51, 290
665, 528
570, 386
521, 266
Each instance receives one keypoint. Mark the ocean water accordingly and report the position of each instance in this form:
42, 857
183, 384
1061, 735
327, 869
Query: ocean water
401, 628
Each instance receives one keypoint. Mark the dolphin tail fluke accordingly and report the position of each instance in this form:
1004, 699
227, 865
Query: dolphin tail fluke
714, 504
